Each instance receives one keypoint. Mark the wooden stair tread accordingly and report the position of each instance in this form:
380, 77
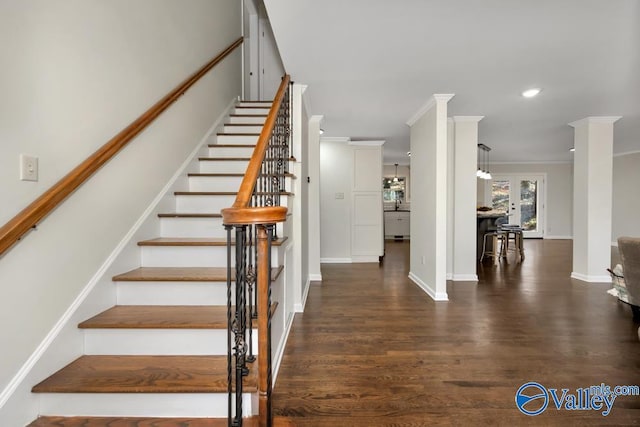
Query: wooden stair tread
196, 241
159, 317
182, 274
149, 422
164, 317
218, 175
189, 215
143, 374
232, 145
237, 159
226, 193
226, 159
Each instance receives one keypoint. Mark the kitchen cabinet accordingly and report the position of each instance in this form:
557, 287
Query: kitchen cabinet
397, 224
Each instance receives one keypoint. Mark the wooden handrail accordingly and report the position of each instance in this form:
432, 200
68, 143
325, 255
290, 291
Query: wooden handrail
29, 217
253, 169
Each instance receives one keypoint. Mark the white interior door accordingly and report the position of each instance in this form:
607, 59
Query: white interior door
522, 197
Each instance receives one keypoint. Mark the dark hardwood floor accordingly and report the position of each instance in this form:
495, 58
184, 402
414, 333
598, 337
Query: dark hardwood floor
371, 349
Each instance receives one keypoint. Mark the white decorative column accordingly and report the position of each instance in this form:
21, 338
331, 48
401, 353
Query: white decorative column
293, 250
428, 261
465, 186
314, 197
592, 198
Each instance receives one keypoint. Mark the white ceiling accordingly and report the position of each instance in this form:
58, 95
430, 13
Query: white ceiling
371, 64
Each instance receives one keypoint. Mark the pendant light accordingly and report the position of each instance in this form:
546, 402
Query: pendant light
395, 178
483, 164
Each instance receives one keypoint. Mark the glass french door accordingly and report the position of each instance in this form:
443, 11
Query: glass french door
521, 197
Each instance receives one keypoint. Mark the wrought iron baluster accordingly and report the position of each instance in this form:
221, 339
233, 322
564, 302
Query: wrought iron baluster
230, 350
253, 258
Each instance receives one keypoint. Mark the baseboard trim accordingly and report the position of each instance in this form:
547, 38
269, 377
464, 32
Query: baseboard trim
591, 279
315, 277
66, 317
299, 308
281, 348
465, 278
365, 258
436, 296
335, 261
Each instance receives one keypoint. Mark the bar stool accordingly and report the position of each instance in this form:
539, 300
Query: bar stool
514, 233
498, 245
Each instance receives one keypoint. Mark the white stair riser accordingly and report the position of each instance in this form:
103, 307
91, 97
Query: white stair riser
203, 204
171, 293
251, 110
140, 404
208, 204
242, 128
255, 104
198, 227
246, 152
191, 256
257, 120
237, 139
223, 166
214, 183
162, 342
192, 227
222, 183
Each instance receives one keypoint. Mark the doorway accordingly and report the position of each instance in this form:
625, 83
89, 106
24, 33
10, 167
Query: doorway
522, 197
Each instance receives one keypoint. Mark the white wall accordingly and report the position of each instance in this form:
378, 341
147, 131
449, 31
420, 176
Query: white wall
626, 203
559, 194
335, 213
79, 72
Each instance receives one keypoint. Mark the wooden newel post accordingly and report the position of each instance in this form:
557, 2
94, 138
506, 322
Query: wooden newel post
264, 347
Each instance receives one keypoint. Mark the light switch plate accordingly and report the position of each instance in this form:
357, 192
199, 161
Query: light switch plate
28, 168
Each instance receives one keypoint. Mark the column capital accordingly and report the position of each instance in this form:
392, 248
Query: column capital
595, 119
459, 119
435, 98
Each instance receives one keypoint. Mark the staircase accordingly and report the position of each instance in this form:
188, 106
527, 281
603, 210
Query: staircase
159, 357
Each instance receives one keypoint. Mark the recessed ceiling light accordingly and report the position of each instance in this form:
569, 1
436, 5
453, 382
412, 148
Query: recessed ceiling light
321, 131
572, 149
530, 93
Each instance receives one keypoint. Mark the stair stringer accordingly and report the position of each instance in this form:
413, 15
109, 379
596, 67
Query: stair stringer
65, 342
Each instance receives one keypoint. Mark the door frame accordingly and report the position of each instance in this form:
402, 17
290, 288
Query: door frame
515, 178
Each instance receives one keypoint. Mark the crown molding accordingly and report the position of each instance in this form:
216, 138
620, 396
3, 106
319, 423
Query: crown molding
335, 139
374, 143
595, 119
626, 153
438, 97
461, 119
